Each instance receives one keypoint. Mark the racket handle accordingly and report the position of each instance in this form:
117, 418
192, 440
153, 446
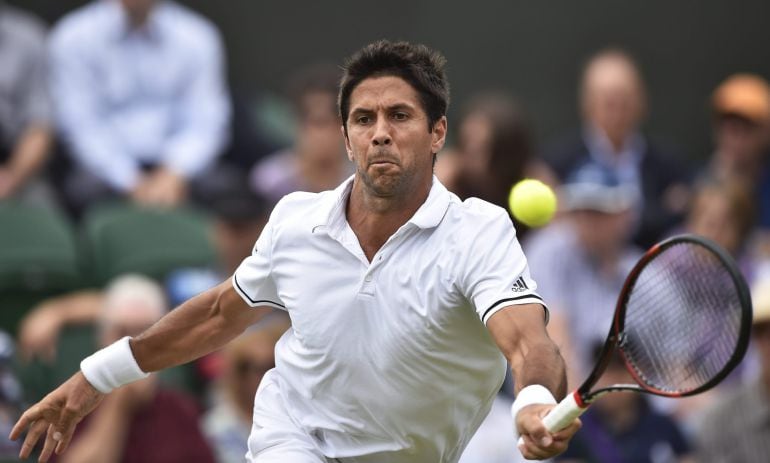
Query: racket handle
564, 413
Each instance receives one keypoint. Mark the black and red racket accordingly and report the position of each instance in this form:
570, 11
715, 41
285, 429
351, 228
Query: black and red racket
681, 325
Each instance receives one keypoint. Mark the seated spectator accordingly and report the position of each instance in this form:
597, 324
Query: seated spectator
622, 427
317, 161
238, 218
613, 102
494, 151
741, 127
581, 261
244, 361
737, 428
724, 212
140, 422
141, 99
25, 109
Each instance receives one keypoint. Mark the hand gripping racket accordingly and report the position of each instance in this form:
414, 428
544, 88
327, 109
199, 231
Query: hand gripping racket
681, 325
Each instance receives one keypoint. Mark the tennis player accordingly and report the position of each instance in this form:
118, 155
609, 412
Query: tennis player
405, 302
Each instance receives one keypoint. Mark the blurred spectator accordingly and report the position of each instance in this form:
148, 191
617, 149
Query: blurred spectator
613, 102
741, 124
141, 99
494, 151
140, 422
10, 398
317, 161
244, 361
581, 261
25, 109
724, 212
622, 427
238, 218
737, 428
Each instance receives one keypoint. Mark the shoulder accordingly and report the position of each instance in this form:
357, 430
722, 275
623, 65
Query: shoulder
474, 215
25, 26
188, 25
303, 207
76, 27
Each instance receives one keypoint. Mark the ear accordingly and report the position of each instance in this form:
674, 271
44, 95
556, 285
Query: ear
438, 135
347, 142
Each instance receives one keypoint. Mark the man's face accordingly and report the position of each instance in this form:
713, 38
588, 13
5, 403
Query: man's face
388, 137
318, 137
613, 99
740, 141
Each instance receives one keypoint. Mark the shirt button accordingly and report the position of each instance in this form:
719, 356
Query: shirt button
368, 278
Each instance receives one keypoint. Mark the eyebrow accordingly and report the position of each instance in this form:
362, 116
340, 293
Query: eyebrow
391, 108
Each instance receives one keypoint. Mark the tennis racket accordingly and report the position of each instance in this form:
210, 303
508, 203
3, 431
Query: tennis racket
681, 325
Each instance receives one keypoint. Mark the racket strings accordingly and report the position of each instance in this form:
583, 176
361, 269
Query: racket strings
683, 319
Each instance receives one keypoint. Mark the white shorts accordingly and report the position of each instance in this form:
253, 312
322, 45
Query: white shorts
275, 438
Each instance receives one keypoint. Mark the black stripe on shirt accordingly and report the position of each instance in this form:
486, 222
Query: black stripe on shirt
245, 294
510, 299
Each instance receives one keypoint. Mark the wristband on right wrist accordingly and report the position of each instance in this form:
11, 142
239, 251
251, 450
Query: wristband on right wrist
532, 394
112, 367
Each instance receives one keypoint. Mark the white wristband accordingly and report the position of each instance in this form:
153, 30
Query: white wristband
112, 367
533, 394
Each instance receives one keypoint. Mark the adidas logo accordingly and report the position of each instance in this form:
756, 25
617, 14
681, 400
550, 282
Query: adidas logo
519, 285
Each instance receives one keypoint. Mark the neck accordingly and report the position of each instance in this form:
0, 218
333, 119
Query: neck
375, 218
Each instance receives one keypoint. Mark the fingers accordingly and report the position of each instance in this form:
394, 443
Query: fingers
65, 430
35, 431
26, 419
50, 444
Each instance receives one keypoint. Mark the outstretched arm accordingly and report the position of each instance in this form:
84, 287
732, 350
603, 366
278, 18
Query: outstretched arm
520, 333
198, 326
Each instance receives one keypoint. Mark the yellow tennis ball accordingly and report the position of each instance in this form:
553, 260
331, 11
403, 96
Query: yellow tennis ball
532, 202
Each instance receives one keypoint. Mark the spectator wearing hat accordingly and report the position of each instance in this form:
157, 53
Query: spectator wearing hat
741, 128
582, 259
614, 105
737, 428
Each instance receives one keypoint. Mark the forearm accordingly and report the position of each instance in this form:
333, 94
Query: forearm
541, 364
31, 152
199, 326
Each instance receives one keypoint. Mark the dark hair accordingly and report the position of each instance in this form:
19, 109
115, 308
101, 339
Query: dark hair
417, 64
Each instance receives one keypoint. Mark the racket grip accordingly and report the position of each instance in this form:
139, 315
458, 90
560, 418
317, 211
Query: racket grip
564, 413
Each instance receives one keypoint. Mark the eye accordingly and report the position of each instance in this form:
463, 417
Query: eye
363, 120
400, 116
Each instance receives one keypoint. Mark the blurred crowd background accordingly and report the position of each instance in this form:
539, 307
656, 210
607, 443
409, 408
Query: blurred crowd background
143, 144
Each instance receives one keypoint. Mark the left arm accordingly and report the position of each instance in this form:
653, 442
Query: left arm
520, 333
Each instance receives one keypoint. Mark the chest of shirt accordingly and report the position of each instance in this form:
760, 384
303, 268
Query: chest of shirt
409, 286
141, 71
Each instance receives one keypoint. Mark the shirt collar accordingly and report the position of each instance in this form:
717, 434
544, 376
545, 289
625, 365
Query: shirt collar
601, 150
120, 25
429, 214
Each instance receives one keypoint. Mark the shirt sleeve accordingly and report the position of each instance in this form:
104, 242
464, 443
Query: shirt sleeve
496, 274
253, 279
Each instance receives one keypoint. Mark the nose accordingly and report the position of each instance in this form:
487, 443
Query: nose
381, 133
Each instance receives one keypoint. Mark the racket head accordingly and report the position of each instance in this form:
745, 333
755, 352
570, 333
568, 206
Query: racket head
712, 317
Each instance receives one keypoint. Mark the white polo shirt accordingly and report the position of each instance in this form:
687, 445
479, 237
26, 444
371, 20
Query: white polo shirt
390, 355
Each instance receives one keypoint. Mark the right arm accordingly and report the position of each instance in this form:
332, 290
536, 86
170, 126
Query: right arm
198, 326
